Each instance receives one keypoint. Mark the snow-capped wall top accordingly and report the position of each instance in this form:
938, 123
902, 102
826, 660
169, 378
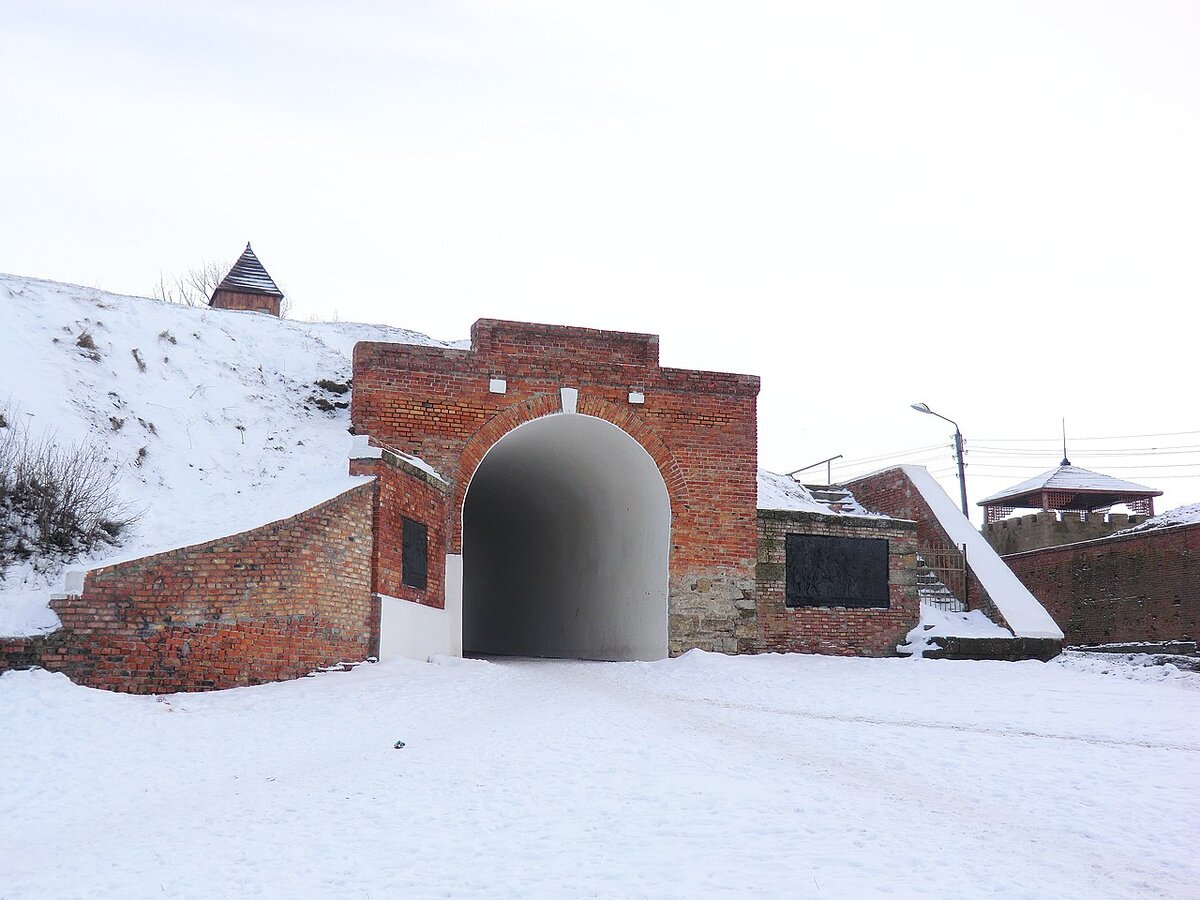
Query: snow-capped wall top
1071, 478
1180, 515
215, 421
1024, 614
361, 448
781, 492
249, 276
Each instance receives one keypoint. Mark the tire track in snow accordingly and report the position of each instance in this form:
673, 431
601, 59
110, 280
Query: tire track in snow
940, 726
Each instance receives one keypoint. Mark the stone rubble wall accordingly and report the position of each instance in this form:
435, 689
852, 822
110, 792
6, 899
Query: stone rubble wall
1051, 529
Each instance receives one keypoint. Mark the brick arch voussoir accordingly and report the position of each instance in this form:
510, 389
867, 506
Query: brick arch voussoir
546, 404
651, 441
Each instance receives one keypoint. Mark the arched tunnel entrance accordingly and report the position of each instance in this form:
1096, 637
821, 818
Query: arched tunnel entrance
566, 533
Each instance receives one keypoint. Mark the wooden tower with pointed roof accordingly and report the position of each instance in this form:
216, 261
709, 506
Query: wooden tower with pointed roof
248, 287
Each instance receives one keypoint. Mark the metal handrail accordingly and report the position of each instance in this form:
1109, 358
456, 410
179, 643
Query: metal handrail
828, 463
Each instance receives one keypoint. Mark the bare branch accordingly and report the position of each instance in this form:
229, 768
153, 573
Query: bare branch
195, 286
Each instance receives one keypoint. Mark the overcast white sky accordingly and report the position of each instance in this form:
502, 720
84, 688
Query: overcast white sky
994, 209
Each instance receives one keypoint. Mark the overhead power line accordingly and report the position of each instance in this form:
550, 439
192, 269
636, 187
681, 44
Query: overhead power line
971, 475
1072, 440
983, 449
863, 470
988, 465
864, 460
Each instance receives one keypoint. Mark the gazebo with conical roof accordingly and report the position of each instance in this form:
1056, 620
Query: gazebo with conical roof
1070, 489
248, 287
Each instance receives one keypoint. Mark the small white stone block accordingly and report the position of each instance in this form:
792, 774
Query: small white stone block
570, 399
637, 397
360, 448
498, 386
73, 581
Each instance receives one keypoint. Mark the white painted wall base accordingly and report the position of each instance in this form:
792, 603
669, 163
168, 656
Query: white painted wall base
454, 602
413, 631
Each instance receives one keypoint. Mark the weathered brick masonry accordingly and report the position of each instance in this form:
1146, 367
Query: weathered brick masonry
263, 605
279, 601
699, 428
405, 491
847, 632
1136, 587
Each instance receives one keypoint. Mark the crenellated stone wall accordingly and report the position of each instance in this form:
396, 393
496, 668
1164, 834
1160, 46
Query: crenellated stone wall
1052, 529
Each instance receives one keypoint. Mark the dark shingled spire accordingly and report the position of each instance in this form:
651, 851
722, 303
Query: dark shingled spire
249, 277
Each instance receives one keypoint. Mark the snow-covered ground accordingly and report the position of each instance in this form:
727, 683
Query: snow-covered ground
770, 776
212, 419
944, 623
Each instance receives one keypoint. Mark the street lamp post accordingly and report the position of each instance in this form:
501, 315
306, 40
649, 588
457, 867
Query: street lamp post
958, 452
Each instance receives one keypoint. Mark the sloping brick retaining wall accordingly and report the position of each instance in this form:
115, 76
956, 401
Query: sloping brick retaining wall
893, 493
268, 604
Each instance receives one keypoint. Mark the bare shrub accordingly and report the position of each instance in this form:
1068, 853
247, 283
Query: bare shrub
57, 501
87, 346
194, 287
334, 387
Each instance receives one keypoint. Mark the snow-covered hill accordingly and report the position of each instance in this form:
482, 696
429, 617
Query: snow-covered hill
213, 420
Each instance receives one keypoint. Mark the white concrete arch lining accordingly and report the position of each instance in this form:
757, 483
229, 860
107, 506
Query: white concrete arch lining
566, 536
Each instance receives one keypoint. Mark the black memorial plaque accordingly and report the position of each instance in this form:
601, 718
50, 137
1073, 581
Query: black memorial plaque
414, 565
836, 571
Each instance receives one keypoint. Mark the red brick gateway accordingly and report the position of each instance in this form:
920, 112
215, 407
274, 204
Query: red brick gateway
550, 491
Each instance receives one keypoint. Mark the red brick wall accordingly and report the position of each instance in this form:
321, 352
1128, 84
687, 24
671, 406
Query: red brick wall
699, 427
892, 493
1138, 587
268, 604
404, 491
20, 652
846, 632
244, 301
